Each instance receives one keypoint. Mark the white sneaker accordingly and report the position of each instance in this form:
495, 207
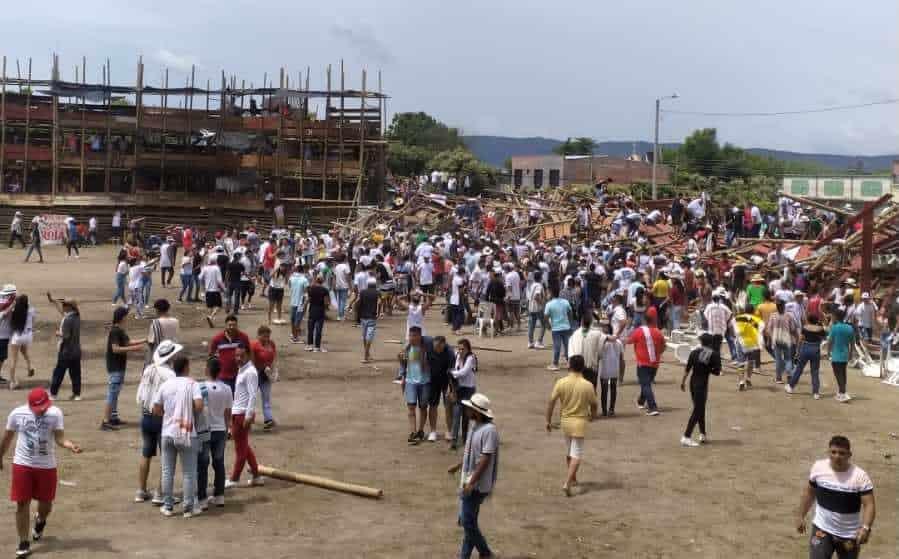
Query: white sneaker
552, 368
432, 437
310, 348
788, 389
231, 484
323, 350
190, 513
166, 511
257, 481
816, 396
684, 441
217, 501
539, 346
203, 505
142, 496
703, 439
530, 346
846, 397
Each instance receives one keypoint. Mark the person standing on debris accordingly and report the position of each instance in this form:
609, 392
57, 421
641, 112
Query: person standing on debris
704, 360
844, 497
15, 230
578, 402
479, 466
38, 430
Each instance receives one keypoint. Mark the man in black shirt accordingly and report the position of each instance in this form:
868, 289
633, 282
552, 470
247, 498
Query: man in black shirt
232, 277
496, 294
703, 361
441, 360
593, 282
317, 300
118, 345
367, 306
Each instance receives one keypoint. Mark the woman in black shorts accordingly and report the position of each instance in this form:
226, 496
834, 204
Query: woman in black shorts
276, 292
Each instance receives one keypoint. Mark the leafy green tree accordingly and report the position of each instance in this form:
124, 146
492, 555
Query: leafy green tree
422, 130
461, 162
407, 161
576, 146
701, 152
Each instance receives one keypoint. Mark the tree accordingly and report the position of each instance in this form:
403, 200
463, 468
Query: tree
576, 146
423, 130
407, 161
701, 152
460, 162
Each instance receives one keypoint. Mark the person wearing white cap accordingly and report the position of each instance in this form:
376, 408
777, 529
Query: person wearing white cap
35, 240
15, 230
479, 466
7, 300
864, 316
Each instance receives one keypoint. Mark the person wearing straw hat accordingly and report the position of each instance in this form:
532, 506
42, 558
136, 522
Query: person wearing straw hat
479, 466
36, 427
69, 356
153, 376
755, 291
577, 400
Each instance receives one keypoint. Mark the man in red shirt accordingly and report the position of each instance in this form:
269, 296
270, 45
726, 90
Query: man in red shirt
223, 345
649, 344
187, 239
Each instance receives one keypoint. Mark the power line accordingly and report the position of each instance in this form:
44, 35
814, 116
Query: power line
784, 113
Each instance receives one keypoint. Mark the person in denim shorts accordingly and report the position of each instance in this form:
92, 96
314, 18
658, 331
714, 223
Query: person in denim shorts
118, 345
416, 383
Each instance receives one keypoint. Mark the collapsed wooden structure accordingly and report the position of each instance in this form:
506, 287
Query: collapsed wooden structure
239, 145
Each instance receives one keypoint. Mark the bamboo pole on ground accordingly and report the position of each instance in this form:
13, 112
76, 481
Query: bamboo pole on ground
322, 482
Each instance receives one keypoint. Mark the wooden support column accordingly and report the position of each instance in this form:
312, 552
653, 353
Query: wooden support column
190, 109
3, 125
359, 181
165, 105
301, 131
280, 145
867, 249
54, 140
107, 174
81, 169
139, 115
340, 130
27, 128
326, 147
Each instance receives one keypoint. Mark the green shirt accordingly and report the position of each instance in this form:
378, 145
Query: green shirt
756, 294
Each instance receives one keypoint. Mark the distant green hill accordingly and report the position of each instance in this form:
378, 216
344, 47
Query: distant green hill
494, 150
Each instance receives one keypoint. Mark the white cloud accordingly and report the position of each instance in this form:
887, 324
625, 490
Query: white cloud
178, 62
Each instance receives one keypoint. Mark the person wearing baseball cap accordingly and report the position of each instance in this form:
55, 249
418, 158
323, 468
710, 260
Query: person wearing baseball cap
479, 468
38, 424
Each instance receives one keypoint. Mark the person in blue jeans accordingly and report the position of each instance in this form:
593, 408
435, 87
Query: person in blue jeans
118, 346
813, 335
840, 339
416, 383
559, 313
479, 466
217, 402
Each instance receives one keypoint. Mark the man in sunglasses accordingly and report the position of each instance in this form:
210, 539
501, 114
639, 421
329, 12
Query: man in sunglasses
844, 495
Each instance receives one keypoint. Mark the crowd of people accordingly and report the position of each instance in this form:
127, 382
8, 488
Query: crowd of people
596, 292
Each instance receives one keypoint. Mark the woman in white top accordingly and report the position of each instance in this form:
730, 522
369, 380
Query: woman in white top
463, 386
121, 278
416, 313
187, 275
276, 292
22, 326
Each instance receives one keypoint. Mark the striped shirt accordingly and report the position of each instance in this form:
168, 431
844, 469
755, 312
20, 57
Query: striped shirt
838, 496
782, 329
718, 316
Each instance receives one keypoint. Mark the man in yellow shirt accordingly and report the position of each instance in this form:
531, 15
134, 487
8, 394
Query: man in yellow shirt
577, 405
660, 295
748, 328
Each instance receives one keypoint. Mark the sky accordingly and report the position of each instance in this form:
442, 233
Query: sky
521, 68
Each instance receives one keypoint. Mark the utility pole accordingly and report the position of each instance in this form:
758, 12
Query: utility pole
655, 148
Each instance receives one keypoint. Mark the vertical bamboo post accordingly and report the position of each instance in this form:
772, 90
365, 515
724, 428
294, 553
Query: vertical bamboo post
54, 140
381, 149
190, 109
165, 105
340, 125
3, 125
284, 80
358, 196
27, 127
81, 170
327, 136
301, 132
139, 115
107, 177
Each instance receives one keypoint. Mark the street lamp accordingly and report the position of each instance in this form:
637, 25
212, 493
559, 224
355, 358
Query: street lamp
655, 148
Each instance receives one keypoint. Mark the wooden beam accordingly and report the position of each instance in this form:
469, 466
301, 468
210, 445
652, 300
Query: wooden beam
327, 137
165, 106
868, 208
340, 131
3, 126
107, 176
139, 112
867, 249
81, 165
815, 204
54, 140
27, 127
359, 180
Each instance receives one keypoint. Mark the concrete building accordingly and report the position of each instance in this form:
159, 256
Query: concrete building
547, 171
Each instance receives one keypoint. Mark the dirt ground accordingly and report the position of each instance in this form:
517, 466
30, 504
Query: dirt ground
643, 495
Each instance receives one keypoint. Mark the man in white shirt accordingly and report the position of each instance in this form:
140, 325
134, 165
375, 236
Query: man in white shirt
117, 226
243, 413
38, 429
15, 230
217, 403
341, 285
213, 285
536, 298
512, 280
179, 435
92, 230
166, 269
425, 269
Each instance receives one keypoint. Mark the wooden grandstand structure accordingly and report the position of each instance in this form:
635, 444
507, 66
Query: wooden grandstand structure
235, 146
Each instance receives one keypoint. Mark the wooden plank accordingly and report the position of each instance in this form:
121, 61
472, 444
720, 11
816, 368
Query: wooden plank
866, 210
813, 203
